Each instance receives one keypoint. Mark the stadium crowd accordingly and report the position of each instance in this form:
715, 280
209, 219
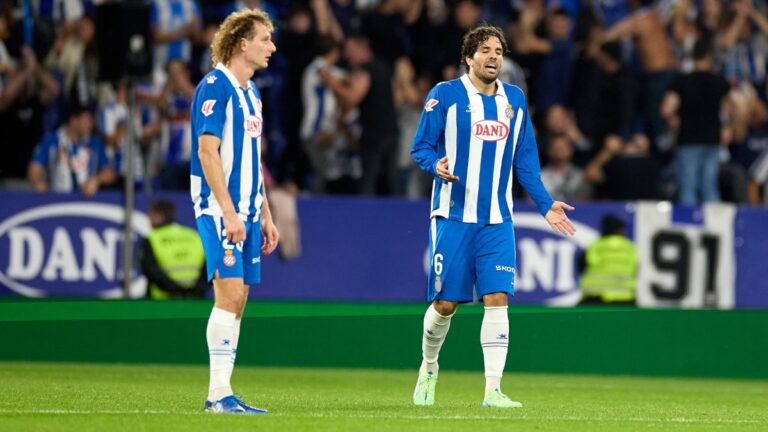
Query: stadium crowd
632, 99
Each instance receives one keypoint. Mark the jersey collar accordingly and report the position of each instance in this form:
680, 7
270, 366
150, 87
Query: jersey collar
231, 77
471, 89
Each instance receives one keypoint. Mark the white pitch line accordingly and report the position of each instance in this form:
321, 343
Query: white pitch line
545, 418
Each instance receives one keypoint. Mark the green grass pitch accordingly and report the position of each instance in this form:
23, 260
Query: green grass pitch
85, 397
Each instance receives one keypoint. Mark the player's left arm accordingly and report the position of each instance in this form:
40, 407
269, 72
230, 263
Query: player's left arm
528, 172
268, 229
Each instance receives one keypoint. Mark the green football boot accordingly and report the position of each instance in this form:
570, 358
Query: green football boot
497, 399
425, 389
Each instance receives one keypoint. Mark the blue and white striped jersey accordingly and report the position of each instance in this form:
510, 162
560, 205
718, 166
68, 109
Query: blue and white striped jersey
486, 139
233, 114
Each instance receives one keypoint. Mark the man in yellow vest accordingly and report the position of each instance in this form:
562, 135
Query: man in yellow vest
172, 256
610, 273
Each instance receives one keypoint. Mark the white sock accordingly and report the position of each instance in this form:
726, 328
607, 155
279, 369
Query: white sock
494, 338
220, 335
435, 329
235, 339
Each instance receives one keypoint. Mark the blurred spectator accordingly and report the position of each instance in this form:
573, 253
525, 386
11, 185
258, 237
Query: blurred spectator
174, 103
29, 88
560, 121
321, 111
173, 23
653, 46
286, 109
410, 94
625, 171
113, 123
325, 13
610, 266
74, 58
369, 88
54, 21
384, 27
563, 180
745, 45
172, 257
71, 158
466, 15
554, 73
616, 96
693, 106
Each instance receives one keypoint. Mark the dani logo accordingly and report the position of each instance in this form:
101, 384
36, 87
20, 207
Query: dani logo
490, 130
67, 249
253, 126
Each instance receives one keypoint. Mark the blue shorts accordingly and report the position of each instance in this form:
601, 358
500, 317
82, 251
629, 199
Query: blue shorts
466, 255
242, 260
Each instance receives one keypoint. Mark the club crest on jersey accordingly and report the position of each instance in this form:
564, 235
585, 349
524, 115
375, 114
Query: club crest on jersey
438, 284
509, 112
430, 105
490, 130
229, 259
207, 108
253, 126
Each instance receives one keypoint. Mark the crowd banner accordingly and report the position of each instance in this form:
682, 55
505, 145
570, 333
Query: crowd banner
687, 255
375, 250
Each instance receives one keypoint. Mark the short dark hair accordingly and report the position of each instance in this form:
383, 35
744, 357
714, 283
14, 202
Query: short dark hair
326, 44
475, 37
76, 109
165, 208
703, 48
612, 224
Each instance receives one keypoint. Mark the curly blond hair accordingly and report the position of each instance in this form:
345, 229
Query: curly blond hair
238, 25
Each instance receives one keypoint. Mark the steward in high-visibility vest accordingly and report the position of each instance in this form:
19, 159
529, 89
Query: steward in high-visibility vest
610, 275
172, 257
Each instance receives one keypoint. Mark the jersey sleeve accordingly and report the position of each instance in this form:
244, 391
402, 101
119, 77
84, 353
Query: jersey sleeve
527, 167
431, 127
209, 110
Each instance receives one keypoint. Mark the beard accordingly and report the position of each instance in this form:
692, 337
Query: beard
486, 77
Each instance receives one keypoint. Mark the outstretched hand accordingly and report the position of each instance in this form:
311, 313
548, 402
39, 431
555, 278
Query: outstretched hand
443, 171
558, 220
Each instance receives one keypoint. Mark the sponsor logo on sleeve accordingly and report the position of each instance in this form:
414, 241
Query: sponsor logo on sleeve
430, 105
207, 108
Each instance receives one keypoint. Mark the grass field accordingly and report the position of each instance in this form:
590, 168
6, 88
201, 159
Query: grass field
83, 397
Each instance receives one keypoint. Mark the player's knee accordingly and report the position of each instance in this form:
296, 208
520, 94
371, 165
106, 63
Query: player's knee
496, 299
445, 308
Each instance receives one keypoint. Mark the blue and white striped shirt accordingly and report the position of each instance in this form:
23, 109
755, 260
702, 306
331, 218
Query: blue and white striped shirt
221, 107
486, 139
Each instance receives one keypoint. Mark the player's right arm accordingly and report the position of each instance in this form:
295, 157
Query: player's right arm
425, 150
208, 119
208, 152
